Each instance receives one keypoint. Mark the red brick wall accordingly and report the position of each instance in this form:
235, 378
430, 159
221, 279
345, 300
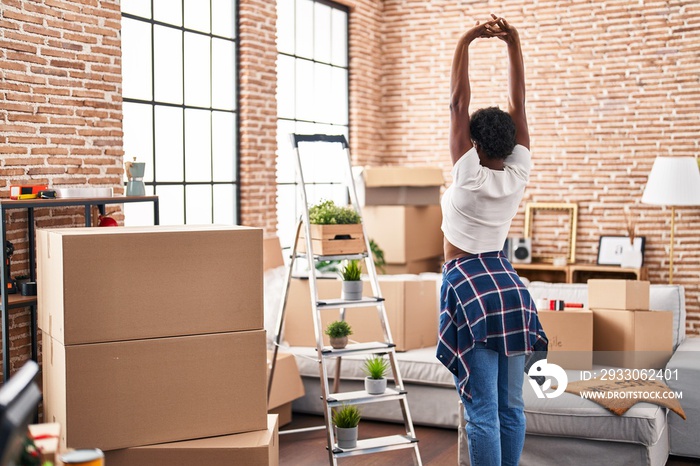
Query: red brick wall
610, 86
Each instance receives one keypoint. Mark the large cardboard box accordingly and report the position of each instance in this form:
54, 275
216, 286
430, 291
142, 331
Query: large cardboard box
127, 283
632, 339
139, 392
394, 185
570, 335
258, 448
405, 233
411, 305
286, 385
618, 294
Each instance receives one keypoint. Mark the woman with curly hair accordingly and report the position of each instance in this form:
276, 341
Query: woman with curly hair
488, 320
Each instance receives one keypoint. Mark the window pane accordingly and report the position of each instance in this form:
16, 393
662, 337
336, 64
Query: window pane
285, 26
168, 11
140, 8
136, 61
339, 42
197, 15
138, 214
322, 33
286, 214
197, 76
339, 102
167, 64
323, 98
198, 204
168, 126
304, 30
224, 146
323, 162
224, 204
223, 18
285, 86
172, 205
197, 145
138, 136
304, 90
286, 164
223, 74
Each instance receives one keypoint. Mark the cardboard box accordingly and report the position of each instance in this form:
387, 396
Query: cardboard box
411, 305
618, 294
405, 233
433, 264
46, 438
128, 283
272, 253
570, 334
632, 339
258, 448
394, 185
286, 386
139, 392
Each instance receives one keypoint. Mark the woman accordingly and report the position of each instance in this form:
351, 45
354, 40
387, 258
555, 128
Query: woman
488, 320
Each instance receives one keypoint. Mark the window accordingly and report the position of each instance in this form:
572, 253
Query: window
312, 97
180, 89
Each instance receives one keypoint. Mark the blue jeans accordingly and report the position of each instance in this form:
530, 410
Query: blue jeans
495, 417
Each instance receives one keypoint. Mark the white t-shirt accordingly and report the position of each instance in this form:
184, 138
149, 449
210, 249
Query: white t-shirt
478, 207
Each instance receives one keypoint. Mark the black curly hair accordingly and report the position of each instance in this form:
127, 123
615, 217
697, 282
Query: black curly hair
493, 130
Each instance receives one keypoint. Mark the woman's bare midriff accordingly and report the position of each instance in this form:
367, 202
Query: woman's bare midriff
453, 252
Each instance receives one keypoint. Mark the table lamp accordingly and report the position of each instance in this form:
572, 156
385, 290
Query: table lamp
674, 182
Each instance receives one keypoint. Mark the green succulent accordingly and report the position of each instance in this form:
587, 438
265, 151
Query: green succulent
376, 367
338, 329
352, 271
327, 213
347, 417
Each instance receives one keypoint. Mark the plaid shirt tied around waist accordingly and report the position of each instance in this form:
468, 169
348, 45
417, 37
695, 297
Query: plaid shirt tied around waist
483, 300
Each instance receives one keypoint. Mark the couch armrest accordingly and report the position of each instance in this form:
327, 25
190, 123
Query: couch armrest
684, 371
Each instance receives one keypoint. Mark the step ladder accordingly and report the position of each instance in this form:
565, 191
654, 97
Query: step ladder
333, 398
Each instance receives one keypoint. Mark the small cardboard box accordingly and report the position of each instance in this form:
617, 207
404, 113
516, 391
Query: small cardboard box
411, 305
46, 437
405, 233
618, 294
570, 335
139, 392
258, 448
632, 339
393, 185
286, 386
128, 283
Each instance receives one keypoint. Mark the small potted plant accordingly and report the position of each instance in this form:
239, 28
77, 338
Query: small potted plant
338, 332
352, 285
335, 230
346, 420
375, 368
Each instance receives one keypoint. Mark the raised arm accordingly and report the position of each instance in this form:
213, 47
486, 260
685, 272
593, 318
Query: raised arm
460, 92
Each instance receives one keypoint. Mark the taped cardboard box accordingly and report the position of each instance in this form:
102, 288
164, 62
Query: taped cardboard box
405, 233
128, 283
286, 386
46, 437
411, 304
618, 294
632, 339
393, 185
570, 335
258, 448
139, 392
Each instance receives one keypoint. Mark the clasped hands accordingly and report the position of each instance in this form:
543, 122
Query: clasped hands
496, 27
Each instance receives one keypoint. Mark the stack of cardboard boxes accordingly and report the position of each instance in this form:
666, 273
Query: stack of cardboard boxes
401, 212
153, 348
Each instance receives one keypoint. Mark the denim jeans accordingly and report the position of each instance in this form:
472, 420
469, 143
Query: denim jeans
495, 417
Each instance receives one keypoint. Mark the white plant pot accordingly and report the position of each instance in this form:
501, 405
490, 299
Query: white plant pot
631, 258
352, 291
347, 438
375, 386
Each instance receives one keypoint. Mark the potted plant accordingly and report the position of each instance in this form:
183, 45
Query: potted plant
338, 332
375, 368
346, 420
335, 230
352, 285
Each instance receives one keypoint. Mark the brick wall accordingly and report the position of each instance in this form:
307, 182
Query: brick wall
610, 86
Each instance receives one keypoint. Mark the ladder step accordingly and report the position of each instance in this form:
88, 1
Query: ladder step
376, 445
374, 347
362, 397
337, 257
366, 301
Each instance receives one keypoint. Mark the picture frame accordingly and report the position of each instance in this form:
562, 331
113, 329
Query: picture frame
569, 212
610, 248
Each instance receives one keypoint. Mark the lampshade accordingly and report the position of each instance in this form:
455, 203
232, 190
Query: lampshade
673, 181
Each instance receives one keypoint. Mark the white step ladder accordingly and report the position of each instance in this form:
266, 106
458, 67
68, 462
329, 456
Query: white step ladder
335, 398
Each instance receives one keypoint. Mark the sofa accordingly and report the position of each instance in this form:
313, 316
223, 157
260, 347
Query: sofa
565, 430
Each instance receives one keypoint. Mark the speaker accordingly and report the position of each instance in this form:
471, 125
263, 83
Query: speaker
521, 250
